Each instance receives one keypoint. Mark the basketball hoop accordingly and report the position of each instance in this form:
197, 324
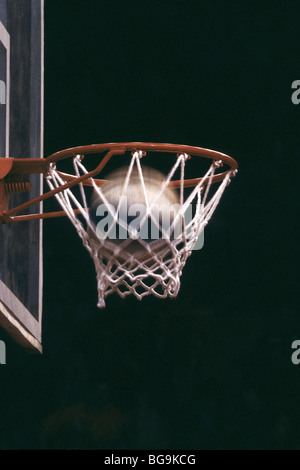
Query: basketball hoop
124, 270
159, 272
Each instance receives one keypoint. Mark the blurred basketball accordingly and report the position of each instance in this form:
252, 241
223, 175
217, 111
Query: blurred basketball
132, 213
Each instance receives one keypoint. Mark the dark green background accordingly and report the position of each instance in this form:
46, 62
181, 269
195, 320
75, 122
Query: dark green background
211, 369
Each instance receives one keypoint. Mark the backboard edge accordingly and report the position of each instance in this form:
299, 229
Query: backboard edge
17, 331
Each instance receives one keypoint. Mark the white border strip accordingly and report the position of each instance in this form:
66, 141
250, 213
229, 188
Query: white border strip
5, 39
40, 309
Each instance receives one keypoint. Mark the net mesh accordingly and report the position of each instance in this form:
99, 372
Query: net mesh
135, 265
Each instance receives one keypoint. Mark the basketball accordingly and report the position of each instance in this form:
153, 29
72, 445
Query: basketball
131, 202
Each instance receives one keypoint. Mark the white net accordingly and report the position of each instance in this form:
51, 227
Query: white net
136, 265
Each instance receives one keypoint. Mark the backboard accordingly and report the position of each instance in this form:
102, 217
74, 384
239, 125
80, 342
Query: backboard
21, 135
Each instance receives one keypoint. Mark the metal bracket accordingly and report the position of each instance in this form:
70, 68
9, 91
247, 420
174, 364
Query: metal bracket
11, 176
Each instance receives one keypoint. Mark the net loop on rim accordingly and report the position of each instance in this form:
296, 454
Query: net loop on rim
134, 265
